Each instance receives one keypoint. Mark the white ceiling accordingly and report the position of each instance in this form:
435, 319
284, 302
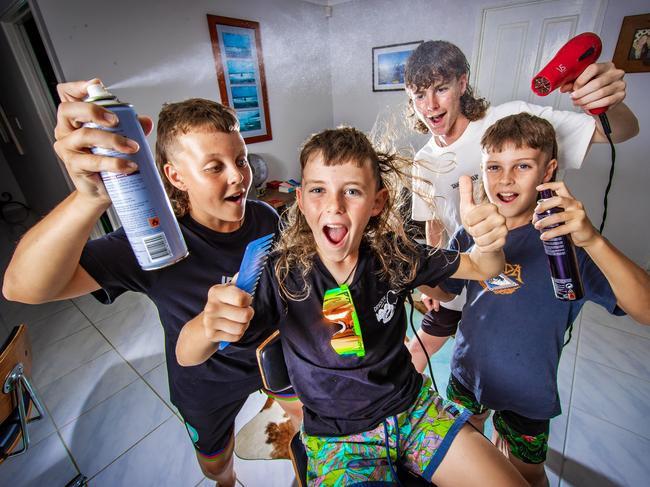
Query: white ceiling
326, 2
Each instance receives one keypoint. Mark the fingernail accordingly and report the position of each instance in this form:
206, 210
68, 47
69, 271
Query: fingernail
110, 118
132, 144
131, 165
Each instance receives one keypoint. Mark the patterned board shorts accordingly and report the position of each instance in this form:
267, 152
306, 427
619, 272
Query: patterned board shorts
527, 438
418, 439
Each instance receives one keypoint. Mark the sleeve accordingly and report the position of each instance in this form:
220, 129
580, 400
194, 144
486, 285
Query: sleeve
267, 302
111, 262
435, 265
421, 210
596, 286
574, 131
460, 242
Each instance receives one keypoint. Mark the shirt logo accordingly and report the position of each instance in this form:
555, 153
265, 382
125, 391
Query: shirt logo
385, 309
506, 283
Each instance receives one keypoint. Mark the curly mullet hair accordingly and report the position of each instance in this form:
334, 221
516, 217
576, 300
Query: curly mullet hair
438, 62
385, 233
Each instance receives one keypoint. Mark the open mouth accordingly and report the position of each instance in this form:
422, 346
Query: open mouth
335, 233
437, 119
235, 198
507, 197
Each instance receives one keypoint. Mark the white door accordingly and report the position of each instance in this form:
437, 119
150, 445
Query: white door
515, 42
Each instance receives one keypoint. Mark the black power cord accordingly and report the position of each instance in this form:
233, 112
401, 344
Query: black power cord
415, 333
608, 131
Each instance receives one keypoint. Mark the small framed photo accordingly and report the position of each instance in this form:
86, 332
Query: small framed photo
237, 49
632, 52
388, 65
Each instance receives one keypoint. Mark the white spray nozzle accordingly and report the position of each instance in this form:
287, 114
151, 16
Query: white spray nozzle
97, 91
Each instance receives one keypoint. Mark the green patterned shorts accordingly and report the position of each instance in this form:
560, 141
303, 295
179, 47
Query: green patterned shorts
418, 440
527, 438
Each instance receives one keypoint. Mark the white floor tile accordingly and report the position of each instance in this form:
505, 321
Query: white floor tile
165, 457
16, 313
595, 313
264, 473
96, 311
42, 428
144, 351
102, 434
601, 454
46, 331
121, 326
613, 396
46, 463
67, 354
565, 374
617, 349
74, 393
157, 379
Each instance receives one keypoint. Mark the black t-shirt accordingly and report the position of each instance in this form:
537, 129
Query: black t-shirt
180, 293
344, 395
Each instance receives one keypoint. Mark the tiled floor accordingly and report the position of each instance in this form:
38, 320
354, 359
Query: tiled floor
101, 374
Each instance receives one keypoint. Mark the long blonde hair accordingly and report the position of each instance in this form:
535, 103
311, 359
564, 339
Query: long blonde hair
385, 233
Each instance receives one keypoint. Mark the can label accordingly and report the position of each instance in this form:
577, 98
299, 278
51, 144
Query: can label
564, 289
140, 200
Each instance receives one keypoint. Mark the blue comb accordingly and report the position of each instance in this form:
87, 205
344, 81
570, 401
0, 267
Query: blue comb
251, 266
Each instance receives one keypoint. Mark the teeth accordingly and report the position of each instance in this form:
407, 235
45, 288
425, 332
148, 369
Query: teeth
507, 195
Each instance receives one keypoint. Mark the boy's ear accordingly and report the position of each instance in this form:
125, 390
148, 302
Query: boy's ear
174, 176
462, 79
549, 172
380, 201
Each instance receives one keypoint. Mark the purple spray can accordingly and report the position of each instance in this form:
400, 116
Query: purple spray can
562, 260
139, 198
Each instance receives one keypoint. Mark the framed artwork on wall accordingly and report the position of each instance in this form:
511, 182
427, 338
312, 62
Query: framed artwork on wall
388, 65
632, 52
237, 49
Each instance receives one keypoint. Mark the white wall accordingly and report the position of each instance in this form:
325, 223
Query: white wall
122, 39
358, 26
628, 214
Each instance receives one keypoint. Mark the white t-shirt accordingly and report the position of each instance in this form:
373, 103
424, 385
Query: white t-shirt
442, 166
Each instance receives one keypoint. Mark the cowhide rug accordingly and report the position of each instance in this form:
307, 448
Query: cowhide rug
267, 436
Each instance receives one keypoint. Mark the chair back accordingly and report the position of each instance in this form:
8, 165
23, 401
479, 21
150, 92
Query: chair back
16, 350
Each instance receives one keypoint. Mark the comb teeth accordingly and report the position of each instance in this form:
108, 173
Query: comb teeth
250, 269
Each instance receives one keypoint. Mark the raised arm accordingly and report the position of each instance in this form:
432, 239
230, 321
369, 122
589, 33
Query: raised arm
488, 229
602, 85
630, 283
45, 266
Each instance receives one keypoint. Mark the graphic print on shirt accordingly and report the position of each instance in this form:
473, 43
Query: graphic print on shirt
385, 309
507, 282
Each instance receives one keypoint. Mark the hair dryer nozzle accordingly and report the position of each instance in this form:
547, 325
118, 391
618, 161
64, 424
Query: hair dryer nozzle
569, 62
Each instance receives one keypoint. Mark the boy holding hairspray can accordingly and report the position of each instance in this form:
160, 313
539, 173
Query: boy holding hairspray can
512, 330
207, 177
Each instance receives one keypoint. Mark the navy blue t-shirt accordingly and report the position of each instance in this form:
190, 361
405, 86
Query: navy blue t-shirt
343, 395
180, 292
512, 331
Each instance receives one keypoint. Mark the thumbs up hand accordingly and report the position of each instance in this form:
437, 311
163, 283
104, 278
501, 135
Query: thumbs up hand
483, 221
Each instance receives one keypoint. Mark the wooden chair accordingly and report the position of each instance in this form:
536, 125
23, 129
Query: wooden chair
17, 395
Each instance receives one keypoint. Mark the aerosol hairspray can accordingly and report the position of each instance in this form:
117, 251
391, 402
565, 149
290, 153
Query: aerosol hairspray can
562, 260
139, 198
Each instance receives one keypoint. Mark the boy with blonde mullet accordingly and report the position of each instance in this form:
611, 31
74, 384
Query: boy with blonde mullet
506, 352
203, 160
365, 405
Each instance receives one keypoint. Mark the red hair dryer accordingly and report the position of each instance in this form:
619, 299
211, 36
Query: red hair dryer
569, 63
